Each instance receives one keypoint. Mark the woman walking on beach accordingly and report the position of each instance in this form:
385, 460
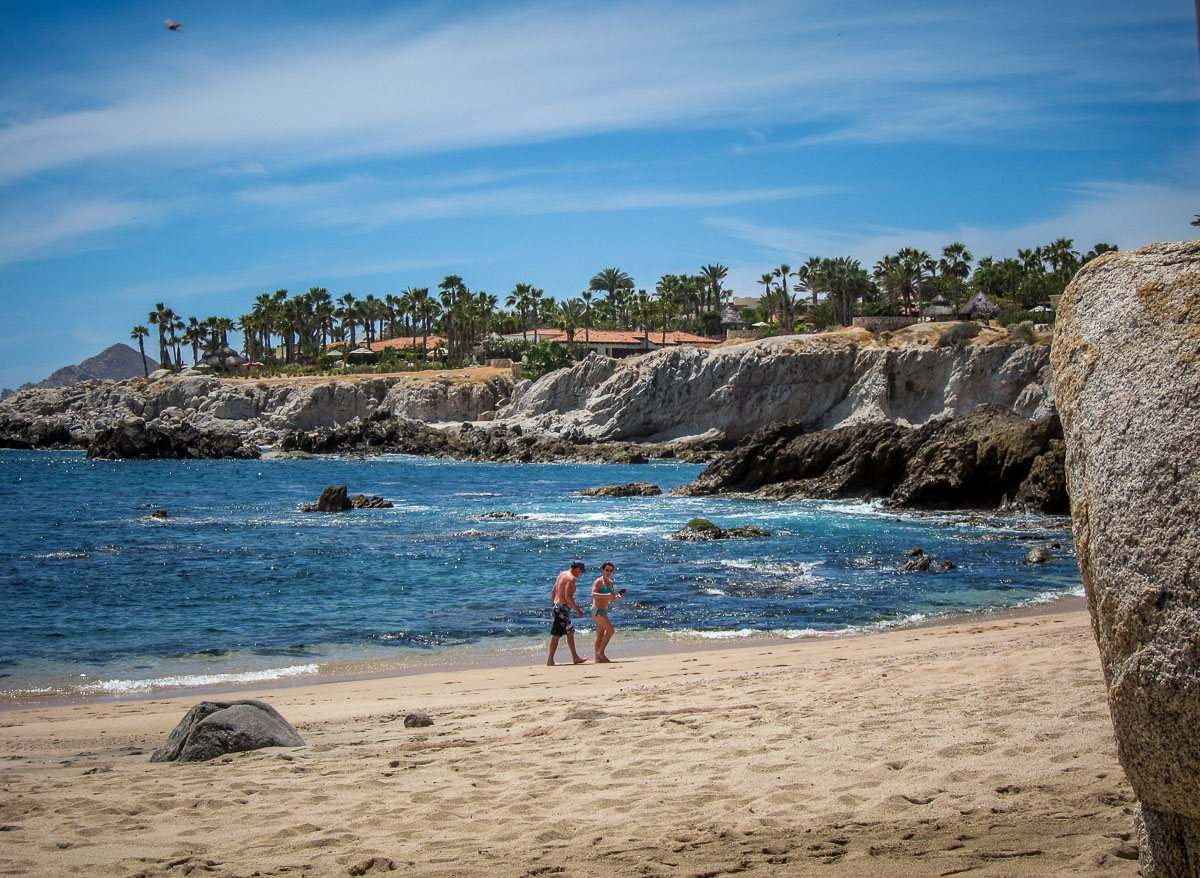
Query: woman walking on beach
602, 596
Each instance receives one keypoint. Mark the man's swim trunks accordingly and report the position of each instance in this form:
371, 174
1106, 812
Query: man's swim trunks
561, 623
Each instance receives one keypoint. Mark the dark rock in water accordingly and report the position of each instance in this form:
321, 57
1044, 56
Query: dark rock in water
1037, 556
159, 514
332, 499
701, 529
977, 461
417, 720
915, 553
744, 532
698, 529
136, 440
629, 489
362, 501
1126, 359
502, 514
948, 565
214, 728
917, 565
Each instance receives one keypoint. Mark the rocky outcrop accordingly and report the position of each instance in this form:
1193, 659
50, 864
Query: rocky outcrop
701, 529
1127, 359
990, 458
214, 728
256, 413
628, 489
737, 390
332, 499
137, 440
695, 399
473, 441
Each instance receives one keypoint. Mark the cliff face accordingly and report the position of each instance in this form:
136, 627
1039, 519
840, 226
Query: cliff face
723, 395
257, 413
738, 390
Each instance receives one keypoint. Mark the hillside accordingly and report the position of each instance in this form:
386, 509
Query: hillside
115, 363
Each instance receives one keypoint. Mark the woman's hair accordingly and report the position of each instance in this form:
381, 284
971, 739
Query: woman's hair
608, 564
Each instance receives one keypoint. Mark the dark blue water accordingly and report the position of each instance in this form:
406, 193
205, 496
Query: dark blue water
237, 584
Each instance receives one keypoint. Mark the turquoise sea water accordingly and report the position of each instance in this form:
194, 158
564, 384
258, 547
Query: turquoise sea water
237, 585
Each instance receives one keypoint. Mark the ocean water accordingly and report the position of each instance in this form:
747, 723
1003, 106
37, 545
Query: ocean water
235, 584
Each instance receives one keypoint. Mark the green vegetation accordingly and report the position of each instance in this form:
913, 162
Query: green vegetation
456, 325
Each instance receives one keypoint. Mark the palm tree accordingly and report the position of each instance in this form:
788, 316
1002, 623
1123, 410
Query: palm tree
520, 298
713, 275
665, 302
162, 318
956, 263
569, 315
783, 272
768, 296
612, 281
586, 297
139, 334
195, 334
347, 312
426, 310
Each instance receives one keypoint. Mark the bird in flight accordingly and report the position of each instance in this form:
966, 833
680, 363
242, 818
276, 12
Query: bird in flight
173, 25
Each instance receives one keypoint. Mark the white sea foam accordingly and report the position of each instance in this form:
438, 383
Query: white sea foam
715, 592
872, 508
190, 680
63, 556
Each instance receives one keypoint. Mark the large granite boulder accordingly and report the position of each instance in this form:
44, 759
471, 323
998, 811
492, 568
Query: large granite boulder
1127, 360
214, 728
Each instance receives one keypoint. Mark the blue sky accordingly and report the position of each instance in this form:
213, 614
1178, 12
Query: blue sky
366, 147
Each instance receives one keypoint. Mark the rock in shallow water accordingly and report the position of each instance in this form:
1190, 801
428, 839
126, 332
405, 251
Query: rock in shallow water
983, 460
1127, 362
629, 489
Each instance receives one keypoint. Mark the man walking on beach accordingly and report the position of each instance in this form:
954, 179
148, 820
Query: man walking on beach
562, 599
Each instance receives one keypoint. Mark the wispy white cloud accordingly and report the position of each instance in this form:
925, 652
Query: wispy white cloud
29, 231
399, 86
1128, 214
365, 203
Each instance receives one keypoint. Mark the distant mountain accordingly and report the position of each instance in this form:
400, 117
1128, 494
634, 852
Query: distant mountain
116, 363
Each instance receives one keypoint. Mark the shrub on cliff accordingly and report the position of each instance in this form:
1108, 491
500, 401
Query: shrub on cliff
1022, 332
545, 357
958, 334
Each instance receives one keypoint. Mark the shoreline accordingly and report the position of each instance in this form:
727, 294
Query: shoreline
979, 745
476, 657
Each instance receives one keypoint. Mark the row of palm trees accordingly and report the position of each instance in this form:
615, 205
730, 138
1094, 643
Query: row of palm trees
832, 290
905, 281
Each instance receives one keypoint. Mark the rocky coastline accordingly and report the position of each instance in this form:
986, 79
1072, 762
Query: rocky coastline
966, 426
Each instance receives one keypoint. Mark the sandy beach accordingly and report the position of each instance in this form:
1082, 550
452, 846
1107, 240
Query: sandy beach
980, 748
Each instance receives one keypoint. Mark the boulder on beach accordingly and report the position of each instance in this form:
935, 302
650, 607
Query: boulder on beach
214, 728
1126, 358
628, 489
